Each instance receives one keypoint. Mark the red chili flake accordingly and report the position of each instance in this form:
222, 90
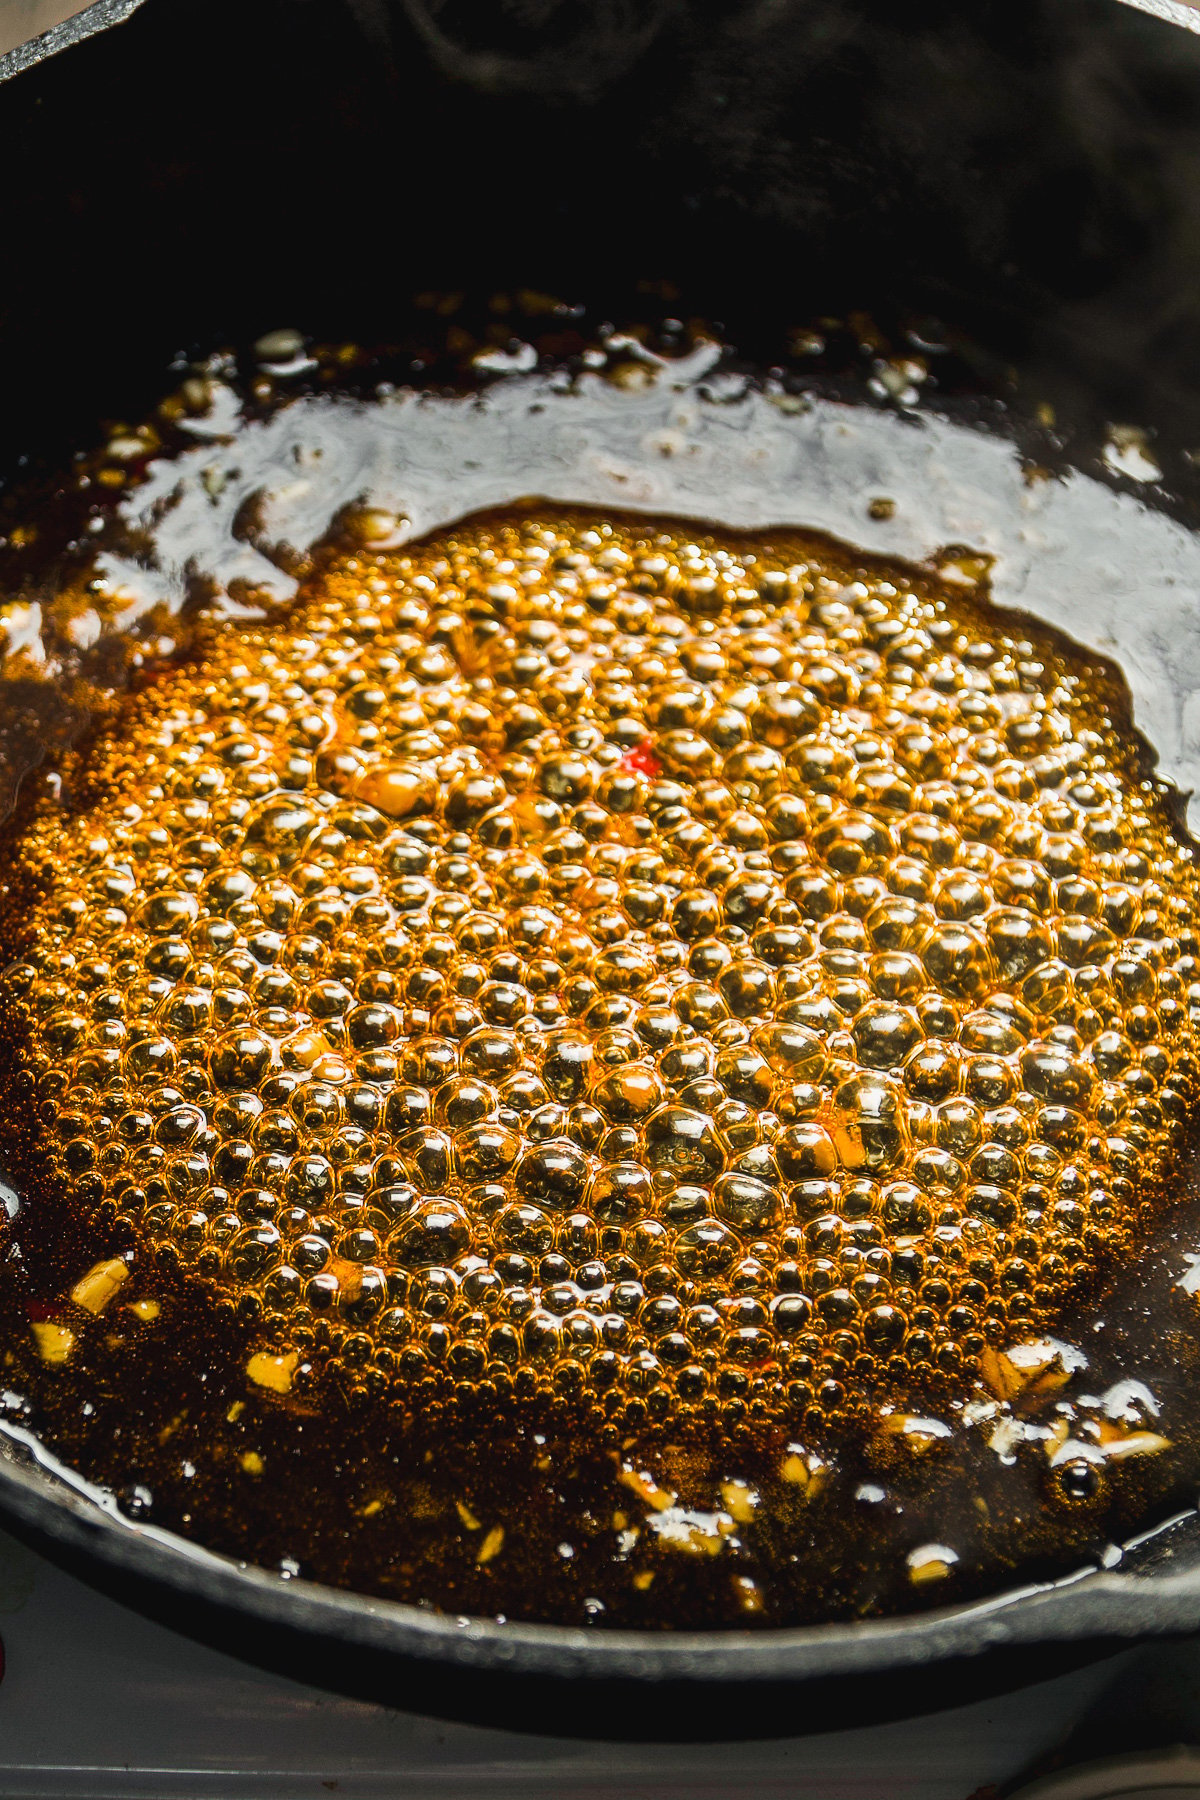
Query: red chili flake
153, 672
641, 760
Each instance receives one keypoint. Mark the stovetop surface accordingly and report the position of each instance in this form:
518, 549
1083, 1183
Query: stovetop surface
98, 1703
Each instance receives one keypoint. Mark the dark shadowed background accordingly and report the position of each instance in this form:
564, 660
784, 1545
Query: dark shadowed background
1026, 170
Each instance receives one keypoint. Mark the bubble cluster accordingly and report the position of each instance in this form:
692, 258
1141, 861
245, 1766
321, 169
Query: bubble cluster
682, 970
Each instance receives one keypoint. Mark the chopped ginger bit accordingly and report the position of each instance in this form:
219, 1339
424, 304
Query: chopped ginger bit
1038, 1367
619, 1521
1109, 1431
998, 1373
273, 1370
252, 1462
918, 1434
171, 1427
646, 1488
235, 1412
694, 1533
145, 1310
1118, 1443
740, 1500
371, 1508
1056, 1436
491, 1546
748, 1593
642, 1580
54, 1342
932, 1562
802, 1469
94, 1290
466, 1515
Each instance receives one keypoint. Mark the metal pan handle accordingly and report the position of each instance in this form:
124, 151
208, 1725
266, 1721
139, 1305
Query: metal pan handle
1175, 12
31, 30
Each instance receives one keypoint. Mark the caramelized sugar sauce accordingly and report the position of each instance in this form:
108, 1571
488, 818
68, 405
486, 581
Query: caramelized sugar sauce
576, 1075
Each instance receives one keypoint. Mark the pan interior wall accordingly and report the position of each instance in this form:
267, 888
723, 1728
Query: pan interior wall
1024, 171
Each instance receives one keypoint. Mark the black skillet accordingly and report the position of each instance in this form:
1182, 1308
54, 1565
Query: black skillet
1023, 173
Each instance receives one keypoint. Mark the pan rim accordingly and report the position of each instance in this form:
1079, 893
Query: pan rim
1090, 1604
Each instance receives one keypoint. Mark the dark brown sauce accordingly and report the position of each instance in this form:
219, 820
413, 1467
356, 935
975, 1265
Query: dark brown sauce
824, 1451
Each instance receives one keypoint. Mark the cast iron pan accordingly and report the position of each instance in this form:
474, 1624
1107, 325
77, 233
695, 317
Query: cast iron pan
1028, 174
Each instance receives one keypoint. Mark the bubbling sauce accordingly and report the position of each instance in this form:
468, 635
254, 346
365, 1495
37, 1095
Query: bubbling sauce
602, 1000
